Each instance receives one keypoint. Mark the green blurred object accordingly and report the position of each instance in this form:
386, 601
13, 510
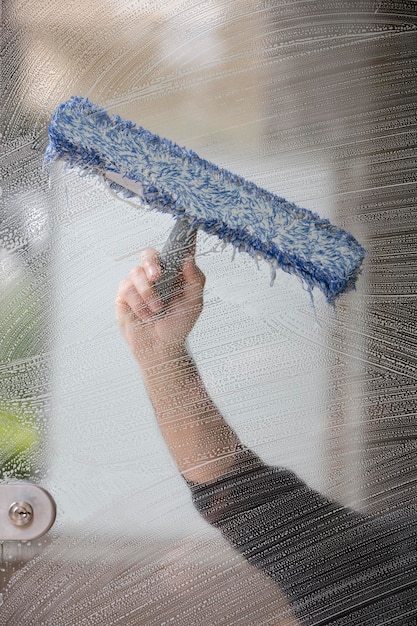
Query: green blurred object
19, 443
22, 332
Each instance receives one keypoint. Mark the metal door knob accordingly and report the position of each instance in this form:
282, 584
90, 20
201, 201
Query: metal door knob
27, 511
20, 513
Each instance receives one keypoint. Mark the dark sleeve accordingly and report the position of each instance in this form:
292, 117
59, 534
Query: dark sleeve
335, 565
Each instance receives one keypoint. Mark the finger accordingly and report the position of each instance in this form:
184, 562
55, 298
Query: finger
122, 308
151, 263
192, 274
145, 290
129, 296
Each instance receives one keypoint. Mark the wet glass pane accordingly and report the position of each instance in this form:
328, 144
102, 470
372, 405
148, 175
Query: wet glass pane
314, 101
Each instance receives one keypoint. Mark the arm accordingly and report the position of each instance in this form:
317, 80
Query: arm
200, 441
331, 561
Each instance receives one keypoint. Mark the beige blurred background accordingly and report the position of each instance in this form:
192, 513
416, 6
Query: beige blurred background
306, 99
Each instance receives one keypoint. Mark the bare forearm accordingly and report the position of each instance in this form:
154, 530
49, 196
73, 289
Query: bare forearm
199, 439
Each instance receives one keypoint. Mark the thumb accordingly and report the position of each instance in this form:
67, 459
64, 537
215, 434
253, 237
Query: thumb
192, 274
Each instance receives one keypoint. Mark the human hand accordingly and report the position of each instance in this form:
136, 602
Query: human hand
153, 333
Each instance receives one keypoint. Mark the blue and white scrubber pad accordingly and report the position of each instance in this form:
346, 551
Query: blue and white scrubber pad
172, 179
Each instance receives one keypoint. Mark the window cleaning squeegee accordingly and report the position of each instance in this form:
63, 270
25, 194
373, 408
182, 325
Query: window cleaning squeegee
163, 176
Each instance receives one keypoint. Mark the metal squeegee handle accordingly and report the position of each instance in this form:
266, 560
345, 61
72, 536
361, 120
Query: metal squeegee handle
181, 238
176, 248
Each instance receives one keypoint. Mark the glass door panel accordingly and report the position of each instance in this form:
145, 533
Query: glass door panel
308, 100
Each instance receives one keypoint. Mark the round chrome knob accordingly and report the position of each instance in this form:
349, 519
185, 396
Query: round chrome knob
20, 513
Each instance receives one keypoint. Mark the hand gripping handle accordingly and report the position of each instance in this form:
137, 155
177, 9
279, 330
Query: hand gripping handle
176, 248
